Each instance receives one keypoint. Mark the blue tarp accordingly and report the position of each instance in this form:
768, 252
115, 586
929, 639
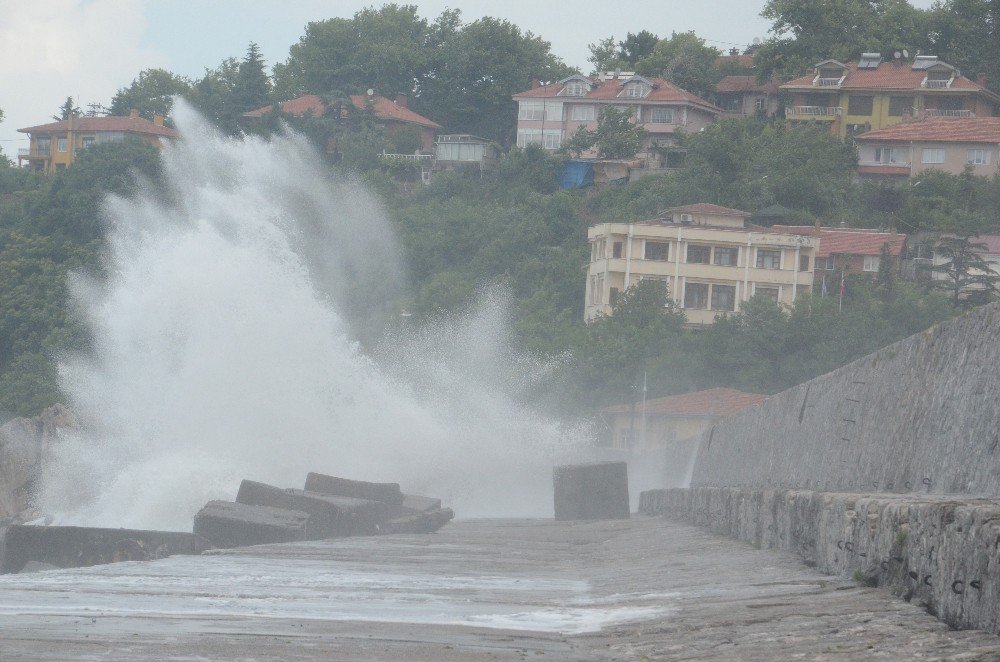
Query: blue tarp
577, 174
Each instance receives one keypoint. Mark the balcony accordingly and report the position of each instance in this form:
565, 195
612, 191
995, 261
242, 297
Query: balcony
828, 82
938, 84
899, 169
37, 153
945, 112
817, 112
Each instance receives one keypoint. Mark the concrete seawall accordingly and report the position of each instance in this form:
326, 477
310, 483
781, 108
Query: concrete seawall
922, 415
935, 551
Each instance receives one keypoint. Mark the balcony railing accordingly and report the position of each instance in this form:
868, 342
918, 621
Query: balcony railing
883, 164
828, 82
812, 110
409, 157
23, 151
38, 152
937, 84
946, 112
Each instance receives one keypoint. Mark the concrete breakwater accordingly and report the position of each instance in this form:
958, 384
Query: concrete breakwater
919, 416
936, 551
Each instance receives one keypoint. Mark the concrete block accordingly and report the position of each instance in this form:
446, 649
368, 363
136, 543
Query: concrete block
226, 524
78, 546
591, 491
359, 489
420, 503
330, 516
423, 522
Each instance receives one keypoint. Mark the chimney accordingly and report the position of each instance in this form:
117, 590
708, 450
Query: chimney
158, 119
133, 114
535, 83
401, 100
981, 79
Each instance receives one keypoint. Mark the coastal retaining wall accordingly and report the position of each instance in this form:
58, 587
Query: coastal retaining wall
941, 553
922, 415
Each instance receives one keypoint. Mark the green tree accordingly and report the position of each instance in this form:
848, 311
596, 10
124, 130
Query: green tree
150, 94
636, 47
966, 33
605, 55
214, 96
67, 110
685, 61
965, 270
617, 137
252, 86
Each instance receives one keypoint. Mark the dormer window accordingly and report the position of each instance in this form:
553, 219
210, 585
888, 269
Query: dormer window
576, 89
636, 90
938, 78
829, 73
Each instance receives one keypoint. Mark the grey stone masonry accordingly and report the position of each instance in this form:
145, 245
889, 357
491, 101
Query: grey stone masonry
919, 416
938, 552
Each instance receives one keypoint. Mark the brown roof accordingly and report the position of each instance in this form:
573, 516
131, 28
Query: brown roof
744, 84
887, 76
708, 208
941, 129
99, 124
608, 90
848, 241
713, 402
386, 109
741, 60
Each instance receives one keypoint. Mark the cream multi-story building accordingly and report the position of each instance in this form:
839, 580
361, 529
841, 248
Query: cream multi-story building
710, 259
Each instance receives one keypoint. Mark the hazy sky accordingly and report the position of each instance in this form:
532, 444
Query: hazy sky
51, 49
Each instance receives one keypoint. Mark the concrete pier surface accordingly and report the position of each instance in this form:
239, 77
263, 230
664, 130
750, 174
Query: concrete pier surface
644, 588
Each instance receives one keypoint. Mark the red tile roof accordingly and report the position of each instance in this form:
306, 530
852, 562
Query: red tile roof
887, 76
707, 208
608, 90
713, 402
941, 129
848, 241
744, 84
386, 109
100, 124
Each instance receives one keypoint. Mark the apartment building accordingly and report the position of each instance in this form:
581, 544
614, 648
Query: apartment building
55, 145
548, 115
708, 257
907, 149
870, 94
849, 250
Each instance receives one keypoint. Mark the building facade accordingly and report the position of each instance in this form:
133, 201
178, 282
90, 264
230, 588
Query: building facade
870, 94
55, 145
907, 149
708, 257
744, 96
549, 115
849, 250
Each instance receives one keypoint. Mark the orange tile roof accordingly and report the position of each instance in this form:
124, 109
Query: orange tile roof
848, 241
887, 76
708, 208
607, 90
712, 402
941, 129
311, 104
744, 84
102, 124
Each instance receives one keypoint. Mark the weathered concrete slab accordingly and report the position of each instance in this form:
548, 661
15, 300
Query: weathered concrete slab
423, 522
420, 503
76, 546
384, 492
591, 491
227, 524
330, 516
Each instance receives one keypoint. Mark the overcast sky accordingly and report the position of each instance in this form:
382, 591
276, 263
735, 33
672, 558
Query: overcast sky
88, 49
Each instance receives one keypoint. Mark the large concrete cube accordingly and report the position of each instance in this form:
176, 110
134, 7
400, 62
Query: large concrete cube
330, 516
226, 524
591, 491
420, 522
359, 489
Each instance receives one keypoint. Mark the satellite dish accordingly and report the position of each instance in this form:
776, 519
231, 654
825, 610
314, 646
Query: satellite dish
905, 54
897, 55
371, 91
756, 41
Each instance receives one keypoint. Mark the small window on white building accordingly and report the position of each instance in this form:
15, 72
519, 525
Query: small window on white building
597, 289
891, 155
699, 254
581, 113
724, 297
657, 250
767, 292
531, 110
768, 259
978, 157
726, 256
872, 262
696, 296
932, 155
661, 116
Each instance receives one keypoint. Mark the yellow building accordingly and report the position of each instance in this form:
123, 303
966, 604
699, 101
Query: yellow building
55, 145
708, 257
868, 95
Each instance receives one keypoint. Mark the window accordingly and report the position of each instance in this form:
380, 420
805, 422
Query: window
768, 292
43, 144
87, 141
899, 106
576, 89
768, 259
696, 296
657, 250
758, 104
803, 263
724, 297
597, 289
932, 155
61, 145
872, 262
613, 299
698, 254
978, 157
597, 250
531, 110
661, 116
582, 113
891, 155
616, 249
552, 138
828, 264
860, 104
548, 138
636, 90
726, 256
